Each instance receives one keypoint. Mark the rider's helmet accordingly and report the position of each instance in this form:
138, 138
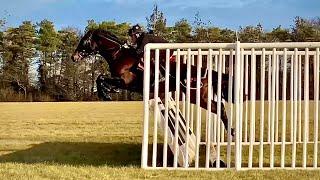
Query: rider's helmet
135, 30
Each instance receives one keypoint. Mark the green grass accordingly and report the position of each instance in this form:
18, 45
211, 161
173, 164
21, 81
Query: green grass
91, 140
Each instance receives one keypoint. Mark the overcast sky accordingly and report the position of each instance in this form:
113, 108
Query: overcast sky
223, 13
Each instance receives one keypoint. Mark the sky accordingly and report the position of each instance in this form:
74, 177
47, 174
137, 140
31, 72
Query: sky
222, 13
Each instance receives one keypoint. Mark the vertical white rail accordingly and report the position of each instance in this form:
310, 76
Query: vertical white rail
191, 105
241, 100
230, 99
188, 107
146, 89
262, 86
253, 105
246, 91
269, 97
209, 109
166, 111
219, 107
215, 119
300, 102
316, 107
177, 95
284, 110
277, 100
199, 64
223, 63
237, 100
291, 99
215, 63
306, 107
207, 61
295, 98
273, 99
156, 111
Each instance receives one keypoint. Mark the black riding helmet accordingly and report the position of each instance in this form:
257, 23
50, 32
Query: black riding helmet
136, 29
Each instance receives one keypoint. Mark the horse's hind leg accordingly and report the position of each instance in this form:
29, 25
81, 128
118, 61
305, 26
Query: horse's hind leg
214, 109
214, 105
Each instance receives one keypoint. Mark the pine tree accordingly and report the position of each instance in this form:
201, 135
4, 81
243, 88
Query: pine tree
182, 31
69, 38
156, 23
252, 34
19, 54
47, 46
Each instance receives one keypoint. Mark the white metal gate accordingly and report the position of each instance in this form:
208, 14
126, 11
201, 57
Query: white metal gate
275, 113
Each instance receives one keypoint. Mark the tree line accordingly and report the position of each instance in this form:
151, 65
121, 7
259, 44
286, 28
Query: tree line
36, 65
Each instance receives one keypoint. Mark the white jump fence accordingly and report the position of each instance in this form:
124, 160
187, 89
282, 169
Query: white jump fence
275, 114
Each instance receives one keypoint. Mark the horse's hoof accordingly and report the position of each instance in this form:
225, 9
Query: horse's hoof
222, 164
115, 90
233, 132
106, 97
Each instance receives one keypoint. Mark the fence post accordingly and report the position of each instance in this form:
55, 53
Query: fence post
146, 89
237, 100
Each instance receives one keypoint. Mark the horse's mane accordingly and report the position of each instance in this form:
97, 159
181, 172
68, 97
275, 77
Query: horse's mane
108, 35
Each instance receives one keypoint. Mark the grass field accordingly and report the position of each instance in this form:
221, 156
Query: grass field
92, 140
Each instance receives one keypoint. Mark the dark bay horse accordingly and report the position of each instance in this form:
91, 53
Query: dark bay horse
125, 74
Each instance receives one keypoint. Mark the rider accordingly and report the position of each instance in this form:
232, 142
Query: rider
139, 38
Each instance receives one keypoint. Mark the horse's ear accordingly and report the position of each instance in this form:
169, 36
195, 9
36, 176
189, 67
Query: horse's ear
89, 31
88, 37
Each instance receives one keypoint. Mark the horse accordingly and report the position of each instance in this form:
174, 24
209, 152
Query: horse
125, 74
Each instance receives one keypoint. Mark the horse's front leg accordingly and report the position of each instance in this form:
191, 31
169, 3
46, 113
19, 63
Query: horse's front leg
107, 85
214, 109
214, 105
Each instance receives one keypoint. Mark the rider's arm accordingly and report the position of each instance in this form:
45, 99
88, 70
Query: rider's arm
140, 49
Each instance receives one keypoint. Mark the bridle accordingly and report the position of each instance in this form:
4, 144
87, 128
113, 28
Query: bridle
86, 43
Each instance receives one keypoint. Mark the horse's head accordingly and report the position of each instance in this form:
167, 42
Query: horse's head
97, 41
86, 47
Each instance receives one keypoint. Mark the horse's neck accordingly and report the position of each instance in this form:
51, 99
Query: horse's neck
107, 56
108, 47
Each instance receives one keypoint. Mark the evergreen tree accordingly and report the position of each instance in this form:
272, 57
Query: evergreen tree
2, 23
252, 34
227, 36
306, 30
182, 31
279, 34
47, 44
92, 25
156, 23
19, 54
69, 71
119, 30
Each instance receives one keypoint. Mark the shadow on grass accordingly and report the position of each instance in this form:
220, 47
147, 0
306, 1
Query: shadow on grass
81, 153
